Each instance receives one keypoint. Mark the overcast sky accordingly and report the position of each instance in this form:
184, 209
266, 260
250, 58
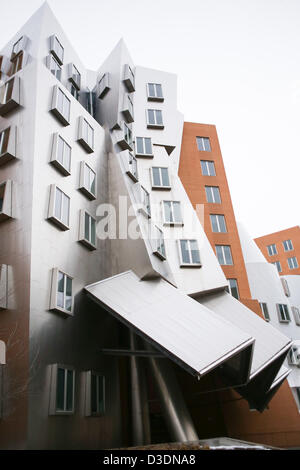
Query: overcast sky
238, 67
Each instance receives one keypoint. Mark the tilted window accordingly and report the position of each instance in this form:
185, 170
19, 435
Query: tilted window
16, 64
285, 287
86, 135
278, 266
62, 392
272, 250
59, 208
159, 243
124, 137
103, 86
6, 200
128, 108
87, 230
265, 310
87, 183
143, 147
218, 223
233, 288
293, 262
208, 168
19, 46
294, 356
95, 394
8, 144
296, 313
283, 313
172, 213
61, 155
144, 198
189, 253
61, 299
213, 194
160, 178
54, 66
203, 144
154, 92
57, 49
288, 245
61, 106
129, 79
224, 254
74, 76
154, 119
131, 166
10, 95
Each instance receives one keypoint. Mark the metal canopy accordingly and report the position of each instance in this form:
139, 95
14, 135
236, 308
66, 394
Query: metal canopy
186, 331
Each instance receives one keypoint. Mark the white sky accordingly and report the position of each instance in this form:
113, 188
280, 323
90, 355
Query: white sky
238, 67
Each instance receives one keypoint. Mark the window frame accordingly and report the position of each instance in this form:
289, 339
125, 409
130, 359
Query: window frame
53, 41
128, 158
203, 140
54, 293
54, 154
272, 249
129, 78
9, 152
184, 264
265, 311
296, 315
6, 211
88, 393
213, 194
155, 97
4, 290
53, 411
161, 187
158, 243
154, 125
286, 318
63, 118
103, 85
207, 167
276, 264
143, 155
293, 356
82, 238
145, 209
218, 223
292, 261
287, 243
52, 208
236, 287
223, 254
72, 76
127, 110
14, 101
49, 59
166, 222
86, 191
86, 144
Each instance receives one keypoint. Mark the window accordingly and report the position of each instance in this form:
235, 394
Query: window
293, 356
155, 92
95, 394
265, 310
203, 144
54, 66
8, 144
87, 181
293, 263
131, 166
283, 313
218, 223
288, 245
189, 253
16, 64
61, 106
59, 207
74, 76
74, 91
61, 155
233, 288
128, 135
224, 254
6, 206
285, 287
143, 147
159, 243
4, 289
87, 230
208, 168
272, 250
154, 119
86, 135
145, 201
296, 313
172, 213
129, 79
103, 86
128, 108
19, 46
213, 194
160, 178
10, 95
278, 266
125, 138
61, 299
57, 49
62, 391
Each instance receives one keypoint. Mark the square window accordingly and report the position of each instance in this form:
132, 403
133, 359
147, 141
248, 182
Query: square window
208, 168
129, 79
87, 230
61, 299
10, 95
283, 313
59, 208
95, 394
154, 119
88, 183
265, 311
61, 106
103, 86
62, 392
213, 194
154, 92
57, 49
86, 135
203, 144
293, 262
160, 178
189, 253
159, 243
172, 213
224, 255
218, 223
8, 144
61, 155
54, 66
6, 200
143, 147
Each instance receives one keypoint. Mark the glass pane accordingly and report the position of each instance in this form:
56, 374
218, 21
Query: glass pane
159, 119
156, 176
70, 384
60, 150
67, 157
185, 255
222, 224
216, 196
194, 251
234, 288
58, 204
151, 89
214, 223
204, 168
139, 145
148, 146
209, 196
94, 393
60, 101
91, 136
69, 294
177, 212
151, 119
66, 112
60, 289
211, 166
227, 252
165, 177
9, 90
159, 90
66, 209
220, 256
87, 226
4, 139
168, 211
200, 143
92, 187
60, 390
93, 231
207, 144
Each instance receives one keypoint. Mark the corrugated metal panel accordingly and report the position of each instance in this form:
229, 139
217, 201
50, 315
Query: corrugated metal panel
269, 342
191, 333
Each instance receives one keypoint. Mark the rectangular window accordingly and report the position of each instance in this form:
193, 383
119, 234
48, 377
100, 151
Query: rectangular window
172, 213
74, 76
296, 313
154, 119
265, 311
285, 287
293, 356
189, 253
278, 266
288, 245
4, 294
224, 255
74, 92
208, 168
145, 201
203, 144
64, 383
61, 299
57, 49
159, 243
61, 155
218, 223
10, 95
283, 313
6, 207
95, 394
233, 288
143, 147
128, 108
87, 230
155, 92
54, 66
61, 106
272, 250
19, 46
125, 137
103, 86
129, 79
213, 194
88, 181
8, 144
59, 208
86, 135
293, 263
132, 169
16, 64
160, 178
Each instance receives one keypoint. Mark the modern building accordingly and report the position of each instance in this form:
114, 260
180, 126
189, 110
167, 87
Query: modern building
116, 327
251, 279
